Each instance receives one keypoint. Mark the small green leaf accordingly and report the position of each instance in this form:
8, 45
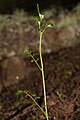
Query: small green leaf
50, 25
38, 97
19, 92
37, 59
34, 95
59, 95
35, 19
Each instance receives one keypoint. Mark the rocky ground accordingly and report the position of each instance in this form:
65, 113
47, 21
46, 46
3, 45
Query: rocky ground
62, 74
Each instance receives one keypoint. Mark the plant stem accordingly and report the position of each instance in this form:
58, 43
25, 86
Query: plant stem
34, 101
42, 71
36, 62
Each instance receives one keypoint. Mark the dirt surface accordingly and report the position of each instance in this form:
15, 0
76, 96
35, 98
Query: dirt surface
62, 75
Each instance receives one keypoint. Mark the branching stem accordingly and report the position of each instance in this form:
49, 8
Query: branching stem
36, 62
34, 101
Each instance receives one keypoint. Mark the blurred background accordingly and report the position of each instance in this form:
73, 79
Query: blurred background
10, 6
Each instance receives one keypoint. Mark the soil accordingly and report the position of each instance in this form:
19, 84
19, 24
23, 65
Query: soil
62, 75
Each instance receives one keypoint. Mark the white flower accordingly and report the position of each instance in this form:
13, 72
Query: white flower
41, 16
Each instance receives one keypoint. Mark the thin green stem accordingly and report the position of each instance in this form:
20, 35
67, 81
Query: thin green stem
34, 102
42, 71
36, 62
